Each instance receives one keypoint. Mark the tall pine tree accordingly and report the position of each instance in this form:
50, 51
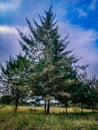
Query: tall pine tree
53, 64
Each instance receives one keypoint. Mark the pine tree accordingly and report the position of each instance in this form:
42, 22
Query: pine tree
93, 96
80, 92
14, 76
53, 64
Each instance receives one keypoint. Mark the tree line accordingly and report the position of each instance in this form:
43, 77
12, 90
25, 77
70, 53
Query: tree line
47, 69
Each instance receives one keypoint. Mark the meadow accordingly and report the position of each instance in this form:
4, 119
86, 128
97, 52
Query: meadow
33, 118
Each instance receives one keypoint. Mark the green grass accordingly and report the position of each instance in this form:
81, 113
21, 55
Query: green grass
28, 118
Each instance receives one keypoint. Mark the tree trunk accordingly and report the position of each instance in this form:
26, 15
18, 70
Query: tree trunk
48, 106
16, 103
45, 107
93, 108
82, 108
66, 109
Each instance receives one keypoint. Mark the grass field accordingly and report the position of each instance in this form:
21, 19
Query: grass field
33, 118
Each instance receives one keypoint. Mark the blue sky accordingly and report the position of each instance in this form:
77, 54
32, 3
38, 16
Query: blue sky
76, 17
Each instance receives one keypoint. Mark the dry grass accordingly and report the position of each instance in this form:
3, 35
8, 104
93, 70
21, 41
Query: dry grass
53, 109
33, 118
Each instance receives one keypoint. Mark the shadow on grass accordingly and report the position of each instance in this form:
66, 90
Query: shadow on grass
72, 114
33, 119
69, 114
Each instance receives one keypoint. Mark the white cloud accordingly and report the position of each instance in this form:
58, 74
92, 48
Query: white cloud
12, 30
10, 5
9, 44
82, 13
93, 5
7, 29
82, 42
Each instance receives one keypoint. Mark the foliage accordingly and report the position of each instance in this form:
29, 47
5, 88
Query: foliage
7, 99
54, 64
14, 78
47, 69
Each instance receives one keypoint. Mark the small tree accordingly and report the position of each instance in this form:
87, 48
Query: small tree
14, 77
64, 99
80, 92
93, 87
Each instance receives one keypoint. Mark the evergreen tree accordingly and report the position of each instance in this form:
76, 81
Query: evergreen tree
53, 64
93, 98
14, 77
80, 92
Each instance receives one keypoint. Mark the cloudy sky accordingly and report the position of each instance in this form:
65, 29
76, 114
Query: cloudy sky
78, 18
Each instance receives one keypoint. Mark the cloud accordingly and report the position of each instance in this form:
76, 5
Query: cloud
9, 5
7, 29
82, 13
8, 42
93, 5
82, 42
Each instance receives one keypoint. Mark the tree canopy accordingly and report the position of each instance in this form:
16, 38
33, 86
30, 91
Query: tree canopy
47, 67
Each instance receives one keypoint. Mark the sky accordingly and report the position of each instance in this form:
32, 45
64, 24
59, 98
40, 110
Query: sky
78, 18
